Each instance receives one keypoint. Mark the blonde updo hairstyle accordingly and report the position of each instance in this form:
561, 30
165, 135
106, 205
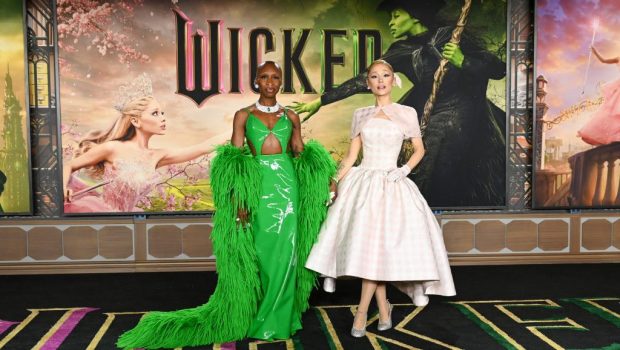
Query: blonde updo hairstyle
121, 130
379, 61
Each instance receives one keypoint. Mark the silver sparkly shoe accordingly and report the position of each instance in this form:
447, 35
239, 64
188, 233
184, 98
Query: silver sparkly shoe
358, 333
384, 326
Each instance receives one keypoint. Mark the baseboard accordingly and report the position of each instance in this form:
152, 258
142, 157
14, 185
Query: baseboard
209, 265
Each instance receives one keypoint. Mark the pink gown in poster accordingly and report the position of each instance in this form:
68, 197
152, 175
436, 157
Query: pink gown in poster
604, 126
127, 183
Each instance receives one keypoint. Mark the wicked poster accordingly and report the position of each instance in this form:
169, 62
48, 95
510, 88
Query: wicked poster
198, 60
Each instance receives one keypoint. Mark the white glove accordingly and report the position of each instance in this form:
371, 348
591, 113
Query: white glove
398, 173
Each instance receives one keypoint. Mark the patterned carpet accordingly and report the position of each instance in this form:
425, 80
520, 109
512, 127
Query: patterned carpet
497, 307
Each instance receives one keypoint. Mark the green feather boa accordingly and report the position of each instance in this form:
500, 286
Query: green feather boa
315, 167
235, 180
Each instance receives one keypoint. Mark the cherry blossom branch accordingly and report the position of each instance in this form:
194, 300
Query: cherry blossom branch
79, 19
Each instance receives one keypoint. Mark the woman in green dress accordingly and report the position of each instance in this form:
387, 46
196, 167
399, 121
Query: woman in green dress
270, 202
271, 133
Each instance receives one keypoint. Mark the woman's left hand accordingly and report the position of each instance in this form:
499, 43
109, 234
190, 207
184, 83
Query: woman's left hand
452, 52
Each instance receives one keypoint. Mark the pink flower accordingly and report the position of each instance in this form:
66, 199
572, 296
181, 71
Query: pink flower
171, 203
88, 18
68, 152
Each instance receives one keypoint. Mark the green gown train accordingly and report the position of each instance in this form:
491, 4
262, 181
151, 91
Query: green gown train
263, 287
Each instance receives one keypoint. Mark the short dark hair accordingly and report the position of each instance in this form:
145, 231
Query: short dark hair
425, 11
264, 63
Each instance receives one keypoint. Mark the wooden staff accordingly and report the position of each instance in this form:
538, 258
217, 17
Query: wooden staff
86, 190
585, 77
441, 70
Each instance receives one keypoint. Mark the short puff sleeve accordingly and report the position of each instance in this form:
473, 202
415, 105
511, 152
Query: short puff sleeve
406, 118
411, 125
360, 117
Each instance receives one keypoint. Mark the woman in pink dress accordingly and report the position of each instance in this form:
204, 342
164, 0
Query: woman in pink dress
120, 157
604, 126
380, 228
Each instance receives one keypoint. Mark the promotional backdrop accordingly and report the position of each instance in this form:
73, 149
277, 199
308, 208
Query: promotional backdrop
201, 58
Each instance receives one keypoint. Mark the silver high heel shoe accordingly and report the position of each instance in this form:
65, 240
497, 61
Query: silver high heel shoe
384, 326
358, 333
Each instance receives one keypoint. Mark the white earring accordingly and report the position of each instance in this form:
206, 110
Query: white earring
256, 86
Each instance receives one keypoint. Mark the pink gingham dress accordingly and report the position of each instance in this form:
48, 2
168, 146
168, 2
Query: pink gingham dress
377, 229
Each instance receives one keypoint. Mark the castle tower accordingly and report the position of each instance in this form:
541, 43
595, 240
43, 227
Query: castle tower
14, 154
541, 111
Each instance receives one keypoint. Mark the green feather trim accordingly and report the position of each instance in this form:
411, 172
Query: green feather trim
315, 167
235, 181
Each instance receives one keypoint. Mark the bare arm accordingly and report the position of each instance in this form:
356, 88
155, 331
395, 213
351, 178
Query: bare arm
237, 139
348, 161
297, 144
603, 59
238, 134
418, 152
94, 156
180, 155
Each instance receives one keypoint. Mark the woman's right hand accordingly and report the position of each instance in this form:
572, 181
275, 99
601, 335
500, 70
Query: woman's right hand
308, 107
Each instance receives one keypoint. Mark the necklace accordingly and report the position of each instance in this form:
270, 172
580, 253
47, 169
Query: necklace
267, 109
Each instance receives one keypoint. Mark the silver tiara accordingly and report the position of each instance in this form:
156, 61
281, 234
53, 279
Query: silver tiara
135, 89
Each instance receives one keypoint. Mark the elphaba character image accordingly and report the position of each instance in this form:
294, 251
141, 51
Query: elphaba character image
464, 139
